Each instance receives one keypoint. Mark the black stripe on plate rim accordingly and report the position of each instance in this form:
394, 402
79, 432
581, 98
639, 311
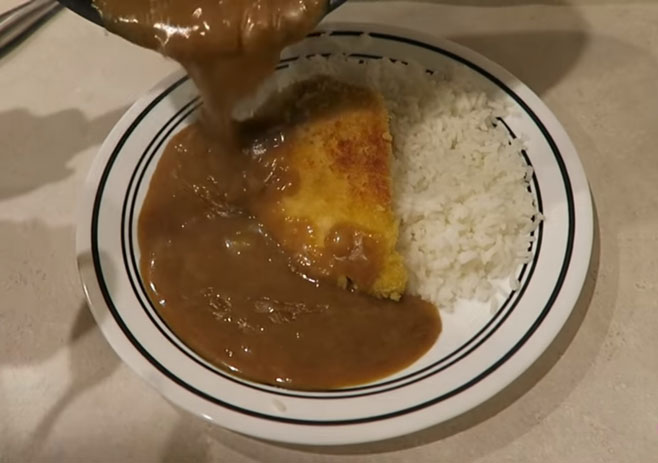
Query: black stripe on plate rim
335, 394
469, 384
340, 393
132, 270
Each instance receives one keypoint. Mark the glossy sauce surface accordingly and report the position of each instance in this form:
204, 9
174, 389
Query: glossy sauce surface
226, 288
228, 47
218, 277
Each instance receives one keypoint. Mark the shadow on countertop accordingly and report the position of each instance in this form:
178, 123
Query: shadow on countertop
90, 362
539, 59
36, 149
538, 54
42, 314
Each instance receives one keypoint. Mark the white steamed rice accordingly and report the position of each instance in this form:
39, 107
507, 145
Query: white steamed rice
460, 186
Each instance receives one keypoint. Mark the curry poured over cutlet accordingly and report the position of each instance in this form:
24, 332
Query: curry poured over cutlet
220, 229
316, 174
338, 223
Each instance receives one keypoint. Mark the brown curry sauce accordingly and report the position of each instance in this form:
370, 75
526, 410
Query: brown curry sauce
214, 273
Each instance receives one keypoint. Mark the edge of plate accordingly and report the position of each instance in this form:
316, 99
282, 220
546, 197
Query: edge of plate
366, 433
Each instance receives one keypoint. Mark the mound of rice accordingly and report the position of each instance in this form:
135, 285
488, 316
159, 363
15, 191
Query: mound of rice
460, 186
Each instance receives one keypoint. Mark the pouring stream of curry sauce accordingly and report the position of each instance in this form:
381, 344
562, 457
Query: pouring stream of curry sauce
236, 276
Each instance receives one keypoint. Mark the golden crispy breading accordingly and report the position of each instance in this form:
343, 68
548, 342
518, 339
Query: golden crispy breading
338, 223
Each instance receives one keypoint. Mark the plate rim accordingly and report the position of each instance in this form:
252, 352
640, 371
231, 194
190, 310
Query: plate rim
574, 167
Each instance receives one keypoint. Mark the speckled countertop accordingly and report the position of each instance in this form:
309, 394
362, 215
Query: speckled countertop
592, 398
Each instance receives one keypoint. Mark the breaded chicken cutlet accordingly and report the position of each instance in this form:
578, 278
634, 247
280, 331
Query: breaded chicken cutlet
338, 222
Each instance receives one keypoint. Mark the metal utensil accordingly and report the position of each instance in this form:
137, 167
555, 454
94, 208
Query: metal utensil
18, 21
85, 8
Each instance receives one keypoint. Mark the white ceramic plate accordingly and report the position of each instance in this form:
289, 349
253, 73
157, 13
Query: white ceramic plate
476, 355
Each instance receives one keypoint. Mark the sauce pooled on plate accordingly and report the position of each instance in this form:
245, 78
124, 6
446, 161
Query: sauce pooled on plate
260, 239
